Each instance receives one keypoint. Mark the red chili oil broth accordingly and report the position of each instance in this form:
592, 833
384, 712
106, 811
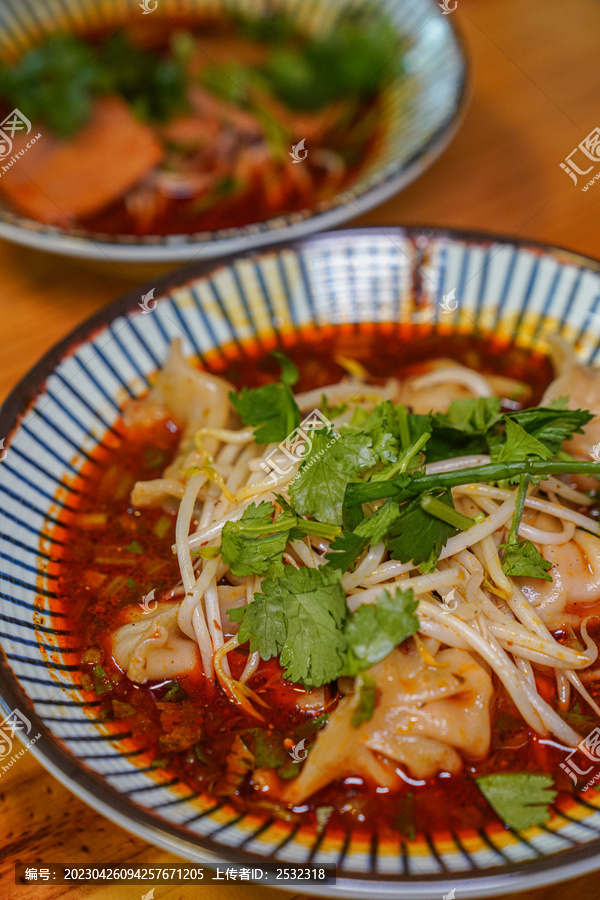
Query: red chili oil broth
93, 603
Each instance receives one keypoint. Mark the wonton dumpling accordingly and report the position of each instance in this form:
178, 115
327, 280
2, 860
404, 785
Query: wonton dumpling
231, 596
581, 384
575, 576
423, 716
194, 400
153, 647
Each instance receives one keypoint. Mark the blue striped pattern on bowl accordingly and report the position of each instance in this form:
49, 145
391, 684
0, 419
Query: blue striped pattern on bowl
69, 402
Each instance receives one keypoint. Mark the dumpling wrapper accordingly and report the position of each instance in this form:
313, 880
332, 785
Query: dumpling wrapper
152, 647
423, 717
194, 400
574, 591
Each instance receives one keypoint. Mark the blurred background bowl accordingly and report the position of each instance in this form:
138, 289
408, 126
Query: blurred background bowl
422, 110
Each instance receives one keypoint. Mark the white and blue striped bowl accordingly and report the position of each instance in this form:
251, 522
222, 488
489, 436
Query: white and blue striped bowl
422, 112
66, 405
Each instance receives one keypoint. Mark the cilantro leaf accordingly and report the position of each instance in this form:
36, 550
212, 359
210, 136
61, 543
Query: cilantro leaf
306, 526
418, 425
298, 617
353, 59
207, 552
382, 425
470, 415
289, 370
407, 459
365, 707
330, 412
262, 622
417, 536
446, 444
289, 770
520, 799
303, 617
374, 629
250, 545
519, 445
266, 747
404, 820
522, 559
463, 429
345, 550
271, 410
476, 425
285, 506
552, 425
134, 547
332, 461
309, 728
558, 402
377, 525
577, 719
58, 80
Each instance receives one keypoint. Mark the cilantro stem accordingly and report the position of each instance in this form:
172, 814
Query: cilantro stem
446, 513
406, 486
516, 520
388, 472
402, 463
275, 527
536, 468
403, 426
412, 451
283, 523
322, 529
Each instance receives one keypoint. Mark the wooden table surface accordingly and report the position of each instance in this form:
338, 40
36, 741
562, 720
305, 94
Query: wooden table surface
535, 96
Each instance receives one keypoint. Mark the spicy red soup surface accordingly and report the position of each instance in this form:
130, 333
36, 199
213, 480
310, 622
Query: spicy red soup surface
115, 554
